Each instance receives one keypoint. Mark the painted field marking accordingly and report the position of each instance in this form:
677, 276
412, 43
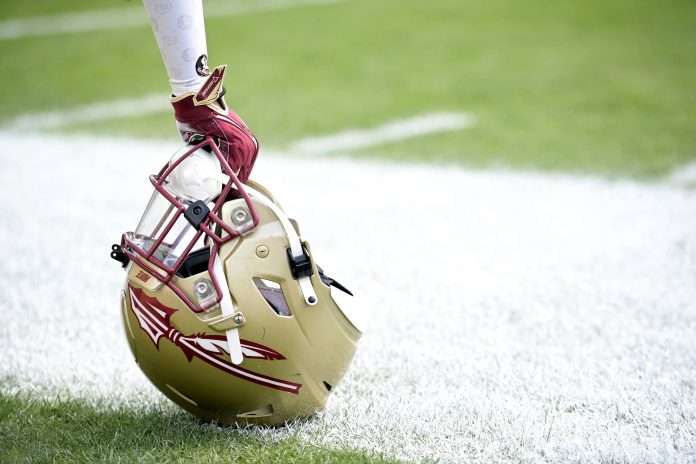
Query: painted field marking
351, 139
121, 18
100, 111
393, 131
684, 175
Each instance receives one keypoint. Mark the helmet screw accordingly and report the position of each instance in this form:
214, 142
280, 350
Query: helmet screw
311, 299
201, 288
197, 210
240, 215
238, 319
262, 251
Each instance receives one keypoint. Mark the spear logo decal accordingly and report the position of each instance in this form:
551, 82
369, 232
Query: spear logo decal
153, 318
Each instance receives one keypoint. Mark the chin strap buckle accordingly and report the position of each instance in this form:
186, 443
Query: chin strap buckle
301, 266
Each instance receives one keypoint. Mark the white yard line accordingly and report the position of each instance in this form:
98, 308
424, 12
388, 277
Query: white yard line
393, 131
100, 111
684, 175
127, 17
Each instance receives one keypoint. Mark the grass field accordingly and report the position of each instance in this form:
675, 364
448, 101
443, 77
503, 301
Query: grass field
557, 277
69, 431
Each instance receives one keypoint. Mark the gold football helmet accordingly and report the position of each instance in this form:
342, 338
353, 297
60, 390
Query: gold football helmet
225, 310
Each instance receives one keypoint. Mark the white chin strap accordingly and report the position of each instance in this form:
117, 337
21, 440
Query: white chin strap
226, 304
227, 307
296, 249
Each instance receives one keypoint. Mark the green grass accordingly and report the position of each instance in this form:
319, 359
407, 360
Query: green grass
68, 431
595, 86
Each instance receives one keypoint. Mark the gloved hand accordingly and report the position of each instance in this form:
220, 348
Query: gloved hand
206, 113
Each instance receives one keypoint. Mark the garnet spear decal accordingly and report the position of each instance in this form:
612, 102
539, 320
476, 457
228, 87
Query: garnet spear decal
153, 318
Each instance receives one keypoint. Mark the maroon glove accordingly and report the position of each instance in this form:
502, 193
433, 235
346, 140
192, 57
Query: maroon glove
206, 113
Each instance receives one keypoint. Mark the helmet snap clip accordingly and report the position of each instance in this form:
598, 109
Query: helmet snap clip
225, 323
118, 254
301, 266
196, 213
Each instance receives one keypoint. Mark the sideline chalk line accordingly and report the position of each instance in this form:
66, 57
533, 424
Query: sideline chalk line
345, 140
127, 17
684, 175
350, 139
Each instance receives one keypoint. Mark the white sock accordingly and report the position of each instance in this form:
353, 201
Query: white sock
180, 32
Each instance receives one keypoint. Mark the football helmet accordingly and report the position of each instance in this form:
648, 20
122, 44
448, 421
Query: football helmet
224, 308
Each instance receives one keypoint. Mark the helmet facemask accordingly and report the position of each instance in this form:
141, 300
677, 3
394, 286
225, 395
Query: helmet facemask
182, 216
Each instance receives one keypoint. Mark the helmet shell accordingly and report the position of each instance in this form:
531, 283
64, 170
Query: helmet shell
292, 361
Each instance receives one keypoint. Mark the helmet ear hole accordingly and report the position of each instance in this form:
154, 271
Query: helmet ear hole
327, 385
273, 294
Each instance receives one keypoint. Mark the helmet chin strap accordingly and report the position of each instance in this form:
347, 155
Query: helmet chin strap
296, 249
226, 304
227, 307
